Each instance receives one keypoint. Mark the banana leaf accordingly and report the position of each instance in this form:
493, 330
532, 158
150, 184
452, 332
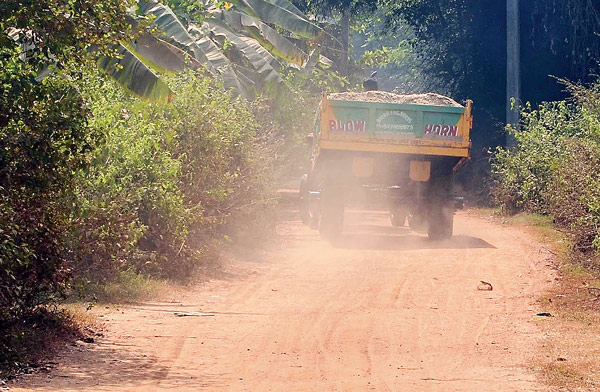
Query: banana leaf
173, 30
261, 60
282, 17
169, 57
131, 73
220, 63
288, 6
268, 37
247, 78
157, 54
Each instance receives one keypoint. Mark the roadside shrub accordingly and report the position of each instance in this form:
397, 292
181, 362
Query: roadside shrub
283, 126
170, 181
227, 168
522, 175
39, 149
44, 139
554, 167
574, 201
109, 188
129, 211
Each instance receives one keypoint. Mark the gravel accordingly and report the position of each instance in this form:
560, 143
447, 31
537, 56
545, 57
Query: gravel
432, 99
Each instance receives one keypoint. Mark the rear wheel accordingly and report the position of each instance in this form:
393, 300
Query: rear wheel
417, 220
441, 221
308, 215
332, 212
440, 212
304, 200
398, 215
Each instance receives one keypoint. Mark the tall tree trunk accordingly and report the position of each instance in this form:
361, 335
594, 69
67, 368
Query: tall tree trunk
344, 38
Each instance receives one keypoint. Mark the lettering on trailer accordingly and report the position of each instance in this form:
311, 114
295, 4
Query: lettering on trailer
405, 118
351, 126
441, 130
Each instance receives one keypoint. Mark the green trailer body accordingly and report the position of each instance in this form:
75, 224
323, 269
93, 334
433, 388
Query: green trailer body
393, 128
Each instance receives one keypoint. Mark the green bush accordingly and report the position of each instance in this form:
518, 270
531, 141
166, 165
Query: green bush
523, 174
170, 180
554, 167
44, 139
129, 211
100, 185
103, 186
227, 172
283, 125
574, 200
39, 150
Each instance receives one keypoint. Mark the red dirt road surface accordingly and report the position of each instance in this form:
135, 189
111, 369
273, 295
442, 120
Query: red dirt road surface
382, 309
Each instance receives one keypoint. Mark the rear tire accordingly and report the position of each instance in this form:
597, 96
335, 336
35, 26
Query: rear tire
417, 221
332, 213
397, 216
304, 195
440, 214
441, 222
308, 215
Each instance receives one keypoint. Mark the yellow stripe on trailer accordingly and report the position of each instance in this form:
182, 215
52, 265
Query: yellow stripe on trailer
454, 151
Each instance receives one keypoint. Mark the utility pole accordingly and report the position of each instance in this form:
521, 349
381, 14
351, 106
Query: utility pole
513, 66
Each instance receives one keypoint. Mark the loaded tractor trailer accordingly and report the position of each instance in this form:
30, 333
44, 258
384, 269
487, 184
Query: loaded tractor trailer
404, 146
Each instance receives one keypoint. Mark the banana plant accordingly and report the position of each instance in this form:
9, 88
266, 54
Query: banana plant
242, 43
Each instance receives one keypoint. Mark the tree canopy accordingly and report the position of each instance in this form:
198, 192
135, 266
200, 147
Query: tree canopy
463, 42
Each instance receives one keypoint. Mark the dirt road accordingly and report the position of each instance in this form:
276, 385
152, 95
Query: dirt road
383, 309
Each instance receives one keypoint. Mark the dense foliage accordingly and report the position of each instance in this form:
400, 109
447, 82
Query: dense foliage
553, 169
464, 43
61, 30
167, 179
44, 140
40, 149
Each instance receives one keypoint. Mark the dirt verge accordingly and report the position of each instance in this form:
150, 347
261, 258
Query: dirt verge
569, 354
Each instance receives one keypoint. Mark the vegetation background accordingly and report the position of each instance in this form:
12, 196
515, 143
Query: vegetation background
134, 145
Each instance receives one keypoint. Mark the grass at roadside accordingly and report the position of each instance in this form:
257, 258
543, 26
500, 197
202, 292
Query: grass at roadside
127, 286
539, 225
569, 355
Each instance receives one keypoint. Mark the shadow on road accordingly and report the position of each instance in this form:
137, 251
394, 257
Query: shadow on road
406, 242
114, 365
369, 230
